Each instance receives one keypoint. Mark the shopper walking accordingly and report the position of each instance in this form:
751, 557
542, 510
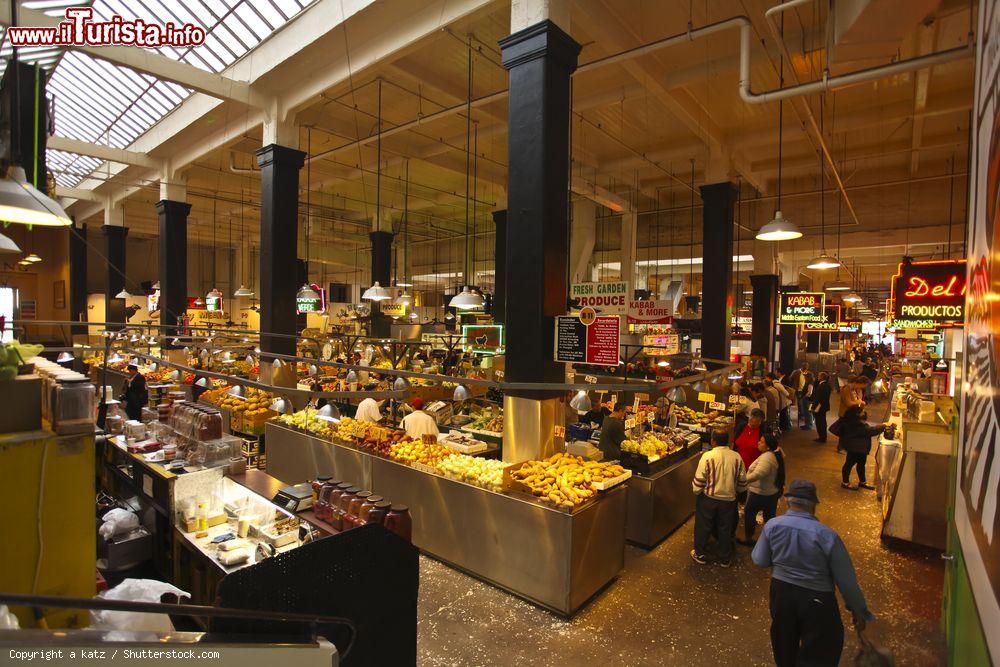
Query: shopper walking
784, 402
808, 559
856, 439
851, 394
773, 403
820, 405
721, 475
765, 482
746, 437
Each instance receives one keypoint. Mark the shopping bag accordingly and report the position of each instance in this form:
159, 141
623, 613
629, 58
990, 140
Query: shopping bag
871, 654
836, 427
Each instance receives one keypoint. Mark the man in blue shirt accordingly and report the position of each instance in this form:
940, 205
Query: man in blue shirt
808, 560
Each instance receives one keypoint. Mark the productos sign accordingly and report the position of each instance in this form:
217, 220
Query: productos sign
802, 308
931, 291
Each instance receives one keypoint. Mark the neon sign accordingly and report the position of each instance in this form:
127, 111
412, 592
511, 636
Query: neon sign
929, 292
802, 308
831, 321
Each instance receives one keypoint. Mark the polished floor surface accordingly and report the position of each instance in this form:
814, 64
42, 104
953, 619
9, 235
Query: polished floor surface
665, 609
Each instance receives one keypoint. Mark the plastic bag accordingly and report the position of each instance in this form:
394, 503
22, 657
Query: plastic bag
8, 621
135, 590
871, 654
118, 522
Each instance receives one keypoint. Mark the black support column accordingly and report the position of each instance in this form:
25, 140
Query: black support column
279, 193
114, 276
173, 262
540, 60
718, 201
381, 326
500, 271
78, 276
789, 337
765, 309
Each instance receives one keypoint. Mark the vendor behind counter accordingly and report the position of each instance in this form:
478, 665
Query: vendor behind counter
613, 434
418, 423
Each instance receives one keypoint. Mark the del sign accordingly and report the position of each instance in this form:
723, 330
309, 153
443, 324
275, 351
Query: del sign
930, 291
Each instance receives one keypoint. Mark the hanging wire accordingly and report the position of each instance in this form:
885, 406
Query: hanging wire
468, 160
691, 237
951, 201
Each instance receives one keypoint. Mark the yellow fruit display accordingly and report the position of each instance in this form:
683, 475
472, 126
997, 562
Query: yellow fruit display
563, 479
415, 451
486, 473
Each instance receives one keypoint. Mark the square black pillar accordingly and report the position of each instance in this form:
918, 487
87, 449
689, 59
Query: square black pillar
499, 303
812, 342
114, 275
173, 262
824, 342
540, 59
381, 325
789, 336
718, 200
279, 215
78, 276
765, 309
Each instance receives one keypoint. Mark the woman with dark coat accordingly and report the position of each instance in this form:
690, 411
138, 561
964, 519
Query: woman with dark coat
856, 439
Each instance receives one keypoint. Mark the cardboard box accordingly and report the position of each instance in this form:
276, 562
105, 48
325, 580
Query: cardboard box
21, 399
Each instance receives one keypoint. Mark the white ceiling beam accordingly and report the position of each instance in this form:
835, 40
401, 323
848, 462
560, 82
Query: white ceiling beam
926, 43
148, 62
599, 195
107, 153
78, 193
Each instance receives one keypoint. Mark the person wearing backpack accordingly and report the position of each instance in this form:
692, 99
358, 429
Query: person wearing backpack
765, 483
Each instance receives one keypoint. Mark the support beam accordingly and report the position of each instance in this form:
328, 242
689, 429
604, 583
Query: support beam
717, 240
114, 272
926, 43
109, 153
500, 262
765, 308
583, 235
173, 260
78, 276
788, 335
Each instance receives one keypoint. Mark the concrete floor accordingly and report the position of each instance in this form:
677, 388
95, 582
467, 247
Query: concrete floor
665, 609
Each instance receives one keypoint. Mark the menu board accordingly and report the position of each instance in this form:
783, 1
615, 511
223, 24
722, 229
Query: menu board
661, 345
596, 344
930, 291
802, 308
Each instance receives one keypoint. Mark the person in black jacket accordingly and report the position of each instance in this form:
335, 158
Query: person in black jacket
856, 439
820, 404
135, 395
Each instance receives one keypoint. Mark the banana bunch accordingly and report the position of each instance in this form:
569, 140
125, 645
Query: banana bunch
565, 480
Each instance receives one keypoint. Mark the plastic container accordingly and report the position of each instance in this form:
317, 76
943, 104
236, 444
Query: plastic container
73, 406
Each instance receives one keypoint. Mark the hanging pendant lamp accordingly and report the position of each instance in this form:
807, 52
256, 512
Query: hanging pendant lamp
329, 412
23, 203
375, 293
676, 395
123, 294
581, 402
32, 257
243, 291
837, 286
214, 294
7, 246
467, 300
823, 261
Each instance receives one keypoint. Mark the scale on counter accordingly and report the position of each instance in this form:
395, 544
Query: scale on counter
294, 498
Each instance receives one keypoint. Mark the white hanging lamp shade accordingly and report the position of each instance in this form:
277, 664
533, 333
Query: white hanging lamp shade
837, 286
352, 376
405, 297
677, 395
282, 406
23, 203
376, 293
401, 384
123, 294
243, 291
64, 357
32, 257
199, 301
156, 286
581, 402
329, 412
467, 300
779, 229
237, 390
823, 261
7, 246
461, 393
852, 298
202, 382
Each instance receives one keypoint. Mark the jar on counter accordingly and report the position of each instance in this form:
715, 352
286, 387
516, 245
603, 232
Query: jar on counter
317, 484
398, 521
366, 509
379, 511
323, 503
354, 509
339, 502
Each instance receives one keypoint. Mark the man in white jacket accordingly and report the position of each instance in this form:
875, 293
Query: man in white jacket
418, 422
720, 476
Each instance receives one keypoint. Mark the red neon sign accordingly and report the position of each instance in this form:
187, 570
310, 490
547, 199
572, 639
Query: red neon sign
932, 291
920, 287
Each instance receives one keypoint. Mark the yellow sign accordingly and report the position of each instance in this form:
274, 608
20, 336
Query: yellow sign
394, 309
587, 315
705, 397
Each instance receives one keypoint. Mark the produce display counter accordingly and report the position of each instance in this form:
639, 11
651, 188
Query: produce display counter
660, 502
912, 478
556, 559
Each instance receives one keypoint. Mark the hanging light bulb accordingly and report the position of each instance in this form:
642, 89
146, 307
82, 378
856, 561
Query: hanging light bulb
329, 412
449, 317
581, 402
156, 286
941, 363
22, 203
414, 316
700, 386
779, 229
64, 357
405, 297
467, 300
313, 370
199, 301
202, 382
823, 261
663, 363
243, 291
376, 293
852, 298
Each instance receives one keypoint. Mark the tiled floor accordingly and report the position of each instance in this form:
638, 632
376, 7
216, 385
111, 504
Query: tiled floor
665, 609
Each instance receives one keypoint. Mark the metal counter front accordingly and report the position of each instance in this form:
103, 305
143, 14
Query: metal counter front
659, 503
554, 559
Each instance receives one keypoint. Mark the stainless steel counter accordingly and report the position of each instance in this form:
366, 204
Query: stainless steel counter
660, 503
551, 558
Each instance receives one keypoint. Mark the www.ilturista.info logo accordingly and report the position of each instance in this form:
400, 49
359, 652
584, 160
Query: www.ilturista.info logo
79, 29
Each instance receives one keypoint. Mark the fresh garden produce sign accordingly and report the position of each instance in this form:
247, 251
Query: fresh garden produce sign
802, 308
930, 291
605, 298
595, 344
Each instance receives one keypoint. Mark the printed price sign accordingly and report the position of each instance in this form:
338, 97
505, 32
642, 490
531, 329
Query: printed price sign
630, 423
614, 400
498, 375
734, 399
705, 397
590, 379
635, 404
559, 431
642, 396
650, 417
716, 405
